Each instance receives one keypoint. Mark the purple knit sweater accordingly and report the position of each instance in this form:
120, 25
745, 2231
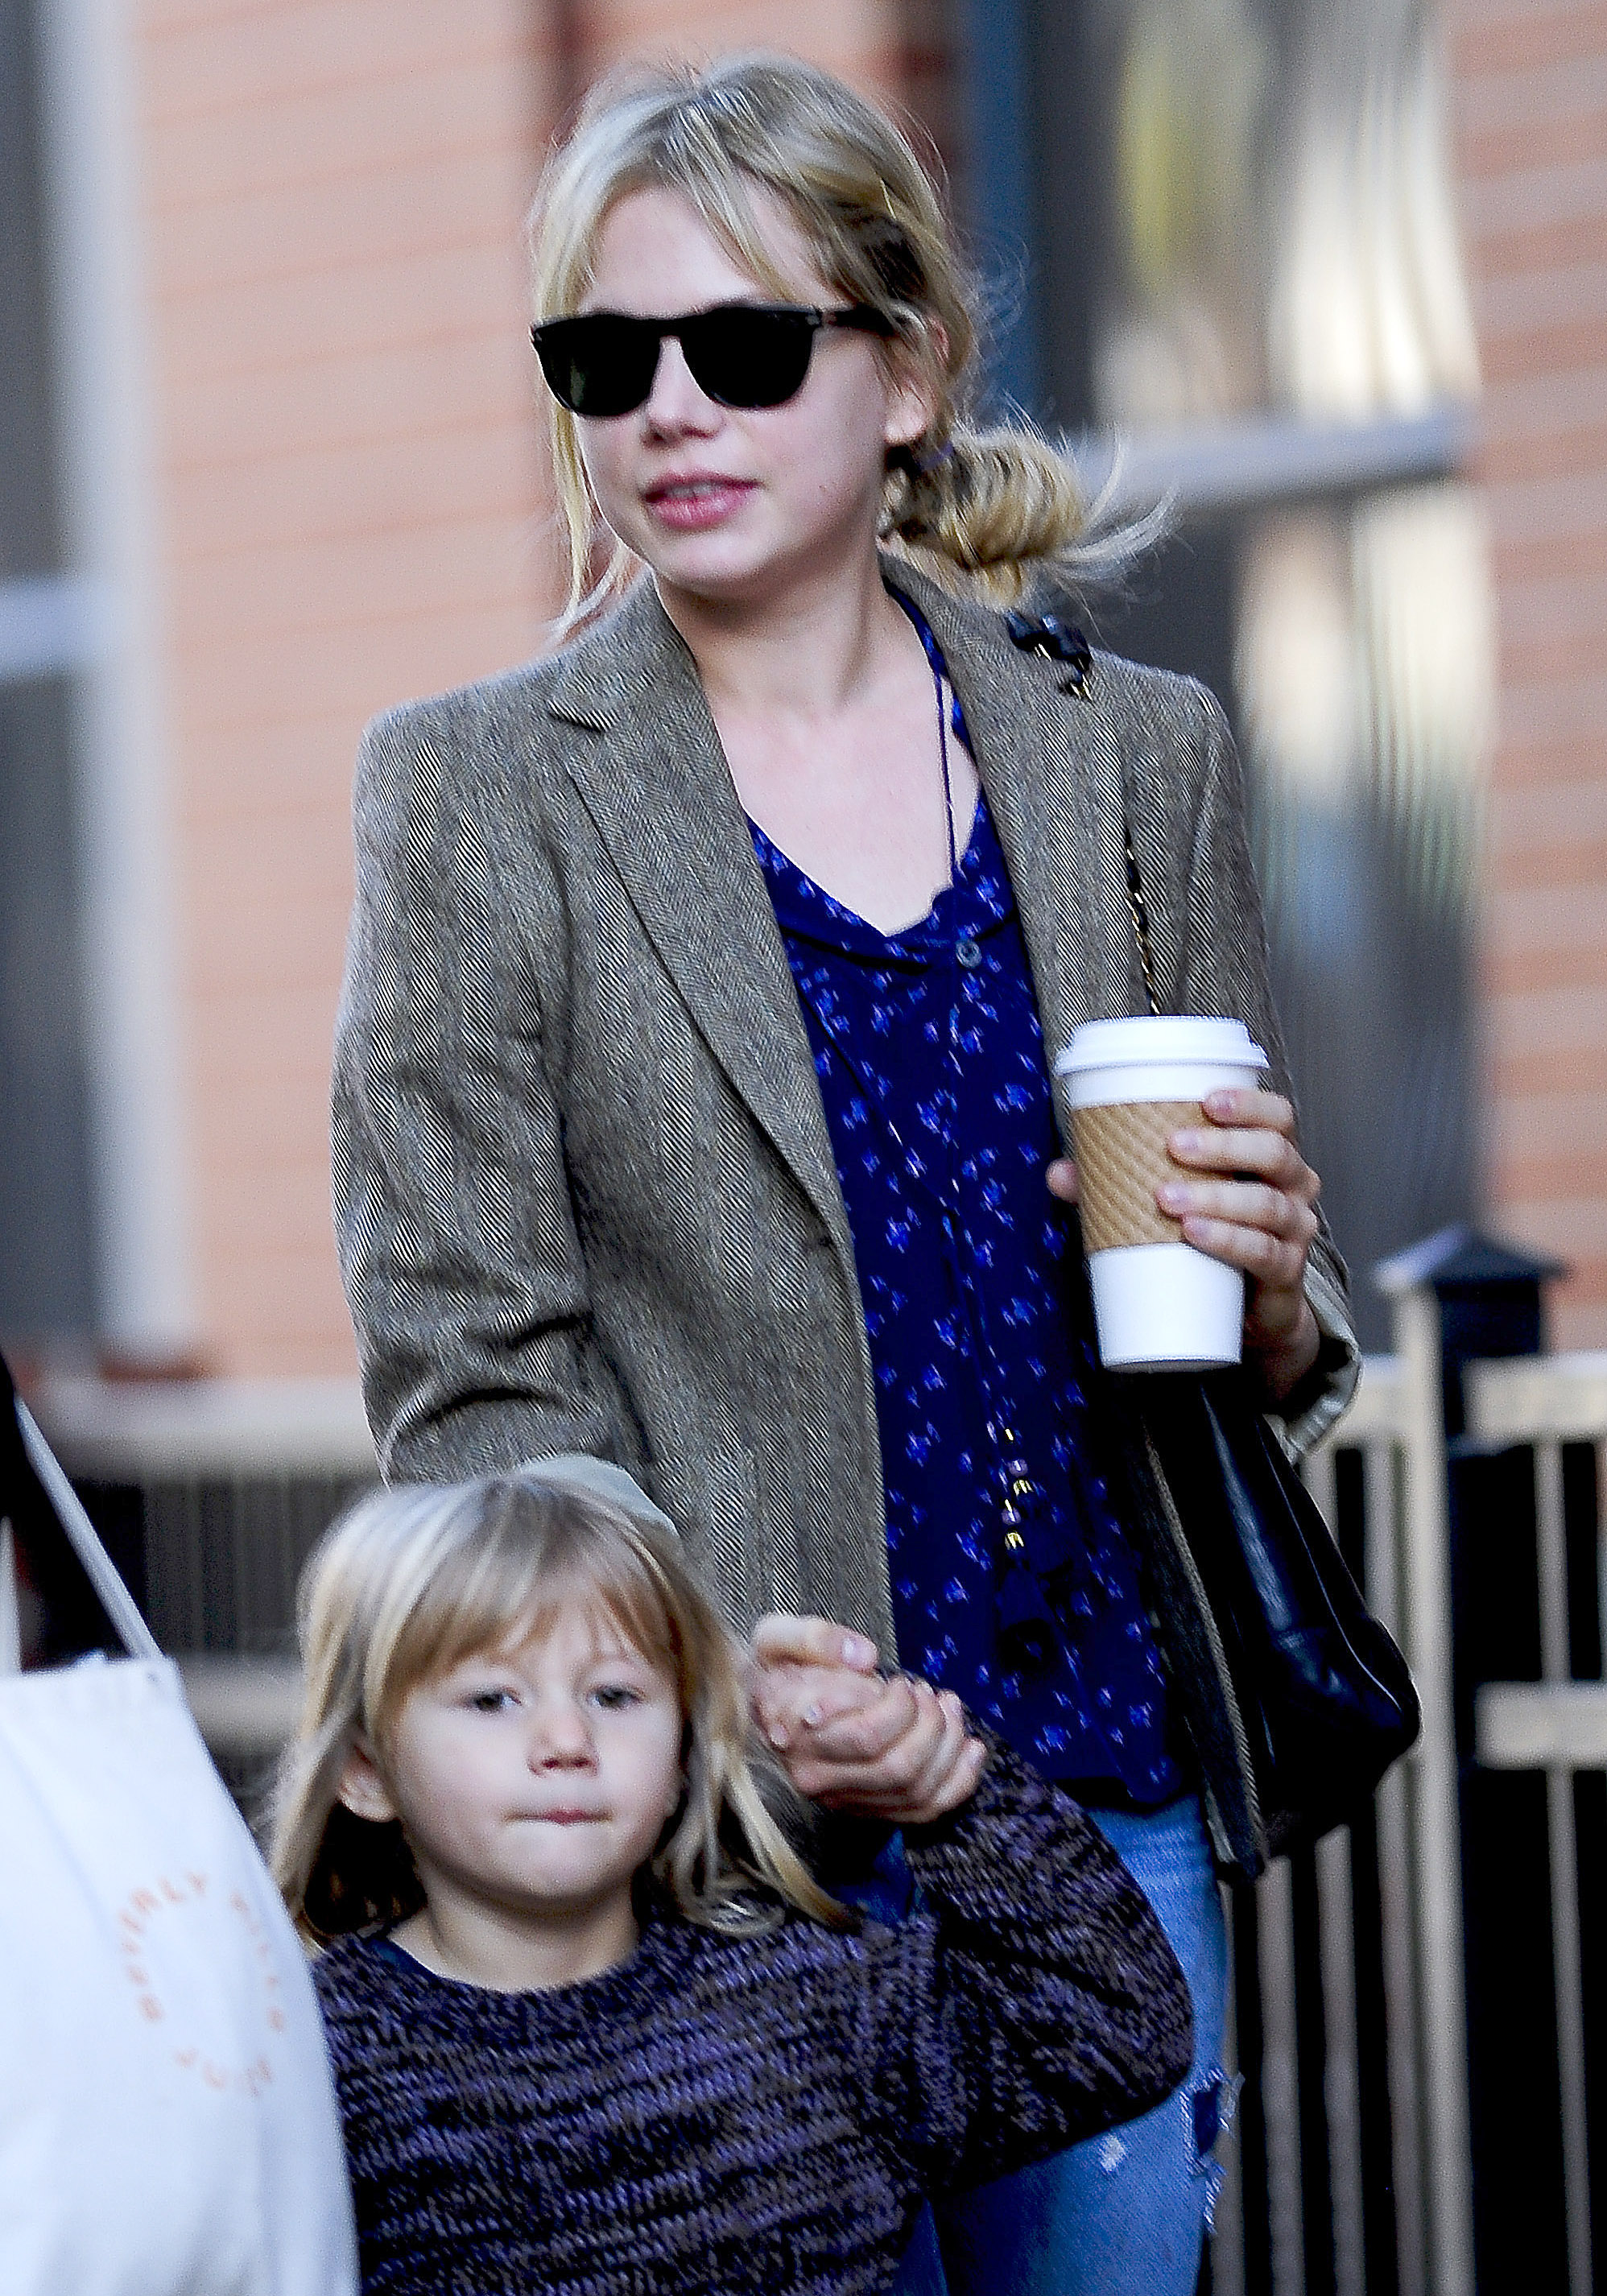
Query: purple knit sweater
723, 2115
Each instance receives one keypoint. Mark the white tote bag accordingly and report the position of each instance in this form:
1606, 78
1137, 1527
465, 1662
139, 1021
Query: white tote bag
167, 2124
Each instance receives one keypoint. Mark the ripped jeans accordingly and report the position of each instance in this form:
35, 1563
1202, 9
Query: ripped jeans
1124, 2214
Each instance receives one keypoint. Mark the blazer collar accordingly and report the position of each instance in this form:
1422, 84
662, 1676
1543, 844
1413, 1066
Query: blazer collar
660, 796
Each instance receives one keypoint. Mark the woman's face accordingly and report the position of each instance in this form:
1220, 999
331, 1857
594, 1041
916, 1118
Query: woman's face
730, 505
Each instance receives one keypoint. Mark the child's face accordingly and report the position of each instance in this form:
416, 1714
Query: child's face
534, 1782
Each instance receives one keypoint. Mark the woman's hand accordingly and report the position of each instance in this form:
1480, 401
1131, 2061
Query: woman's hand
888, 1747
1251, 1200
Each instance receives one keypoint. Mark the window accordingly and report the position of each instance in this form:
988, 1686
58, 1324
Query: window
1240, 260
92, 1217
46, 1256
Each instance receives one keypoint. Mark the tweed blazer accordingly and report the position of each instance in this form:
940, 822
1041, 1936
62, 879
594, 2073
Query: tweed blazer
585, 1192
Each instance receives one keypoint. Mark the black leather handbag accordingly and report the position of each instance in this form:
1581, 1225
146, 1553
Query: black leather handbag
1327, 1699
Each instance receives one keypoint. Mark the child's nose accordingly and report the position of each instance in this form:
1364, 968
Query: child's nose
561, 1736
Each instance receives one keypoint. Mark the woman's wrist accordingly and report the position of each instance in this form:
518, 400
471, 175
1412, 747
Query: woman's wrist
1282, 1363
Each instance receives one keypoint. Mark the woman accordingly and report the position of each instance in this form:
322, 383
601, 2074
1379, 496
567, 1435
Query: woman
690, 1100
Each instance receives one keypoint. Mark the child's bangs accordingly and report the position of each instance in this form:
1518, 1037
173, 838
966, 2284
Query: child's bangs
623, 1611
533, 1554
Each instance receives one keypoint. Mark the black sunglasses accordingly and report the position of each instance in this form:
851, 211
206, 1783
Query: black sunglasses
603, 363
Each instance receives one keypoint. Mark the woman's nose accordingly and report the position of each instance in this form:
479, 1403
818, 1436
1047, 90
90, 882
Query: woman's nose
676, 403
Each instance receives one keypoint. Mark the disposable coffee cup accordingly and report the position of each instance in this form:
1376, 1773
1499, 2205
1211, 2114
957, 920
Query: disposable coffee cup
1158, 1304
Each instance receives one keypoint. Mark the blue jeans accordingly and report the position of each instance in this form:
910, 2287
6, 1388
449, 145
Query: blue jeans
1124, 2214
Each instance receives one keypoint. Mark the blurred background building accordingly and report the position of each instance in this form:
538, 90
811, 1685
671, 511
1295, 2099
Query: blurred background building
1334, 270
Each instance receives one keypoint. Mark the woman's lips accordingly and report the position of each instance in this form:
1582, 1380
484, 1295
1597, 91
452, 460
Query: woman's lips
692, 504
569, 1817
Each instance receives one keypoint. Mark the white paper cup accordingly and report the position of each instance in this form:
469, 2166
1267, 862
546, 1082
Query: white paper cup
1158, 1304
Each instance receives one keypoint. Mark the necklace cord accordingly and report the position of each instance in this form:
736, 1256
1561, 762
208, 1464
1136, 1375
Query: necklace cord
1020, 1489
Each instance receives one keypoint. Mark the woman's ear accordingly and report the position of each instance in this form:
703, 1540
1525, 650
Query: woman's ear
913, 394
363, 1789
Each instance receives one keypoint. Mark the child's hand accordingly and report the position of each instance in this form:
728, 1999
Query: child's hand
890, 1747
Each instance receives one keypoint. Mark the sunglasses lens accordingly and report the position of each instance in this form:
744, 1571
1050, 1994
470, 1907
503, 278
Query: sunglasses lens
747, 358
740, 354
599, 364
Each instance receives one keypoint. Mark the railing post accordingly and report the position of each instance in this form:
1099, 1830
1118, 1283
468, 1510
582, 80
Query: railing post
1459, 1297
1433, 1818
1567, 1947
1383, 1506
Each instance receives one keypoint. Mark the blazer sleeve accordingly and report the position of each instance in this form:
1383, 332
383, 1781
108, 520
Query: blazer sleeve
1222, 967
458, 1246
1032, 1999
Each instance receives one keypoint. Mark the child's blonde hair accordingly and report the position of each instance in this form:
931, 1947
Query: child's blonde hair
410, 1583
979, 509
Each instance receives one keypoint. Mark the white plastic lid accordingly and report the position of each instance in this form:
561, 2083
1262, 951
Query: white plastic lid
1150, 1038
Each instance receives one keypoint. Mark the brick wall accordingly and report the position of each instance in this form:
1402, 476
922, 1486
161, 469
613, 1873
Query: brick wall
862, 39
1530, 92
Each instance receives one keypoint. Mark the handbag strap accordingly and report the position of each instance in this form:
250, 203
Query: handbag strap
10, 1614
115, 1599
1140, 916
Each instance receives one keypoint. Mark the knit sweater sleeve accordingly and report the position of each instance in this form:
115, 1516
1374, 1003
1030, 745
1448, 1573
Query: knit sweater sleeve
1031, 2001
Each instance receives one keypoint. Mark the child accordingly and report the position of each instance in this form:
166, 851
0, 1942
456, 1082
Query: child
594, 2026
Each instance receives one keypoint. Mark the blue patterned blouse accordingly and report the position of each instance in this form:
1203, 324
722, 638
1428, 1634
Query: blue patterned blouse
976, 1316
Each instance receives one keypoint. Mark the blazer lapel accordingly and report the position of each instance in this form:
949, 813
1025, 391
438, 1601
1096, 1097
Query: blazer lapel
657, 790
1052, 770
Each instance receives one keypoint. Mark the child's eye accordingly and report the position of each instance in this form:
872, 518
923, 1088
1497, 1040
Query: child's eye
491, 1702
612, 1696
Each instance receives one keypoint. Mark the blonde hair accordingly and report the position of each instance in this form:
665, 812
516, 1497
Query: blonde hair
413, 1581
980, 509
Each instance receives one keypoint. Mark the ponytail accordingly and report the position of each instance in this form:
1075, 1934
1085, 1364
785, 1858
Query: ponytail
988, 512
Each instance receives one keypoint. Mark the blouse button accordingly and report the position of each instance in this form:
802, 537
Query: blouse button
967, 952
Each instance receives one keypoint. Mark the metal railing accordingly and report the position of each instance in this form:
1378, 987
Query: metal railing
1297, 2020
1556, 1725
1347, 2010
1350, 2009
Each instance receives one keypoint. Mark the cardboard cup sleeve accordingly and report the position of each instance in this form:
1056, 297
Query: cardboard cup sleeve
1122, 1159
